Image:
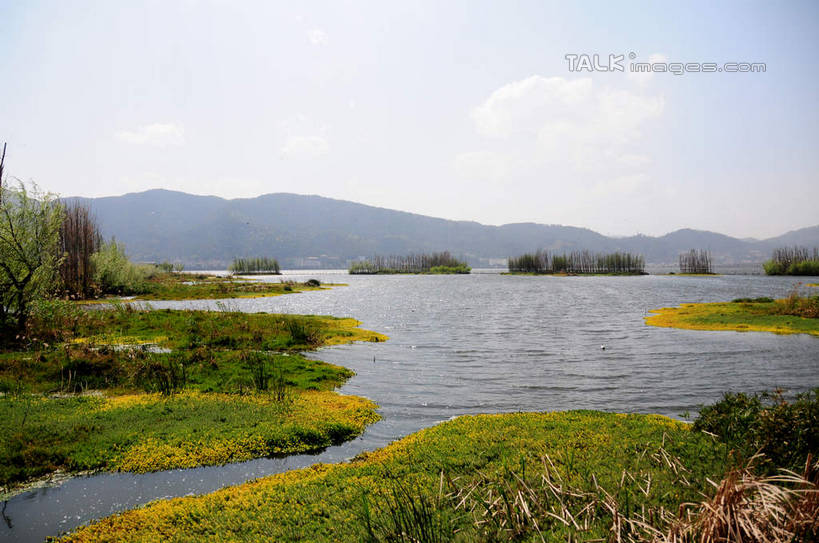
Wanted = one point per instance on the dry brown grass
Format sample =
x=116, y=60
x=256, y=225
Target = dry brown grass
x=748, y=508
x=744, y=508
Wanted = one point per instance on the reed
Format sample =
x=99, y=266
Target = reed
x=577, y=262
x=695, y=261
x=794, y=260
x=258, y=265
x=442, y=262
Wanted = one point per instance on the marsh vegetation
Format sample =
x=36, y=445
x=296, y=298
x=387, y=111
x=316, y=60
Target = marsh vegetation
x=696, y=262
x=435, y=263
x=578, y=263
x=255, y=266
x=143, y=390
x=570, y=476
x=796, y=314
x=793, y=261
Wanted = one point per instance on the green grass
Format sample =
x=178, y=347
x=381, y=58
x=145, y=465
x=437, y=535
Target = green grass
x=192, y=286
x=804, y=267
x=443, y=270
x=245, y=370
x=788, y=316
x=436, y=270
x=152, y=432
x=564, y=274
x=424, y=477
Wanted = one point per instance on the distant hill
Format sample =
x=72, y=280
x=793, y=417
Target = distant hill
x=206, y=232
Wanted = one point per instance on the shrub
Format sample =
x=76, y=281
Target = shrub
x=785, y=432
x=115, y=274
x=793, y=261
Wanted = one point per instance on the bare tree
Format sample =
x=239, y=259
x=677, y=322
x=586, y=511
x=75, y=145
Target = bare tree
x=80, y=238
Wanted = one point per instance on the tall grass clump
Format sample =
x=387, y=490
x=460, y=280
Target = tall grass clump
x=577, y=262
x=259, y=265
x=797, y=305
x=696, y=262
x=793, y=261
x=414, y=263
x=406, y=513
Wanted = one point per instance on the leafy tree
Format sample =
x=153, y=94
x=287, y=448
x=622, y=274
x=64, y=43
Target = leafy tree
x=114, y=273
x=29, y=234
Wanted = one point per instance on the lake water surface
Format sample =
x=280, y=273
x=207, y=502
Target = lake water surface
x=481, y=343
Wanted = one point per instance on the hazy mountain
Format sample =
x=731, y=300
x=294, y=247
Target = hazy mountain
x=312, y=231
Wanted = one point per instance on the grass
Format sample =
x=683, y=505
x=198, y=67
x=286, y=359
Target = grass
x=462, y=480
x=680, y=274
x=432, y=263
x=565, y=274
x=150, y=432
x=793, y=315
x=191, y=286
x=233, y=386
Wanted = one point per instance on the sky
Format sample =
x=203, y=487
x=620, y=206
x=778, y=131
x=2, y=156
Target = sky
x=461, y=110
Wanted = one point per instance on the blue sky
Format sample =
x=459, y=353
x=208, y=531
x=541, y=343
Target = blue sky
x=462, y=110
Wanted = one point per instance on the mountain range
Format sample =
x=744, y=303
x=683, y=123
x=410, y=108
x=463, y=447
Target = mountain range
x=207, y=232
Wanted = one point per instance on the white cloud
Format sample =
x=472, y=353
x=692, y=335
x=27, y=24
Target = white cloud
x=158, y=134
x=305, y=147
x=317, y=36
x=574, y=124
x=521, y=106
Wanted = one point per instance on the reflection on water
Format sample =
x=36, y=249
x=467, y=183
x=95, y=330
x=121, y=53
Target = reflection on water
x=482, y=343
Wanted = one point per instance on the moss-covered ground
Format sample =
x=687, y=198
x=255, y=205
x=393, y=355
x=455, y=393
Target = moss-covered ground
x=580, y=473
x=760, y=315
x=142, y=390
x=194, y=286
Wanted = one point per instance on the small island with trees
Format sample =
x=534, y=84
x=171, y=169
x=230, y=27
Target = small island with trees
x=433, y=263
x=255, y=266
x=577, y=263
x=696, y=262
x=793, y=261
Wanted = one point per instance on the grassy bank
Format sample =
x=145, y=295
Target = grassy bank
x=150, y=432
x=793, y=315
x=564, y=274
x=190, y=286
x=461, y=480
x=413, y=264
x=680, y=274
x=148, y=390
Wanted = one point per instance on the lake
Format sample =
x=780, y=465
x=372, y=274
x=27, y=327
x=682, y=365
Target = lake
x=481, y=343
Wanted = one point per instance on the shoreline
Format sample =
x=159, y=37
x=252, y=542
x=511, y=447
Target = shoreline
x=301, y=415
x=731, y=316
